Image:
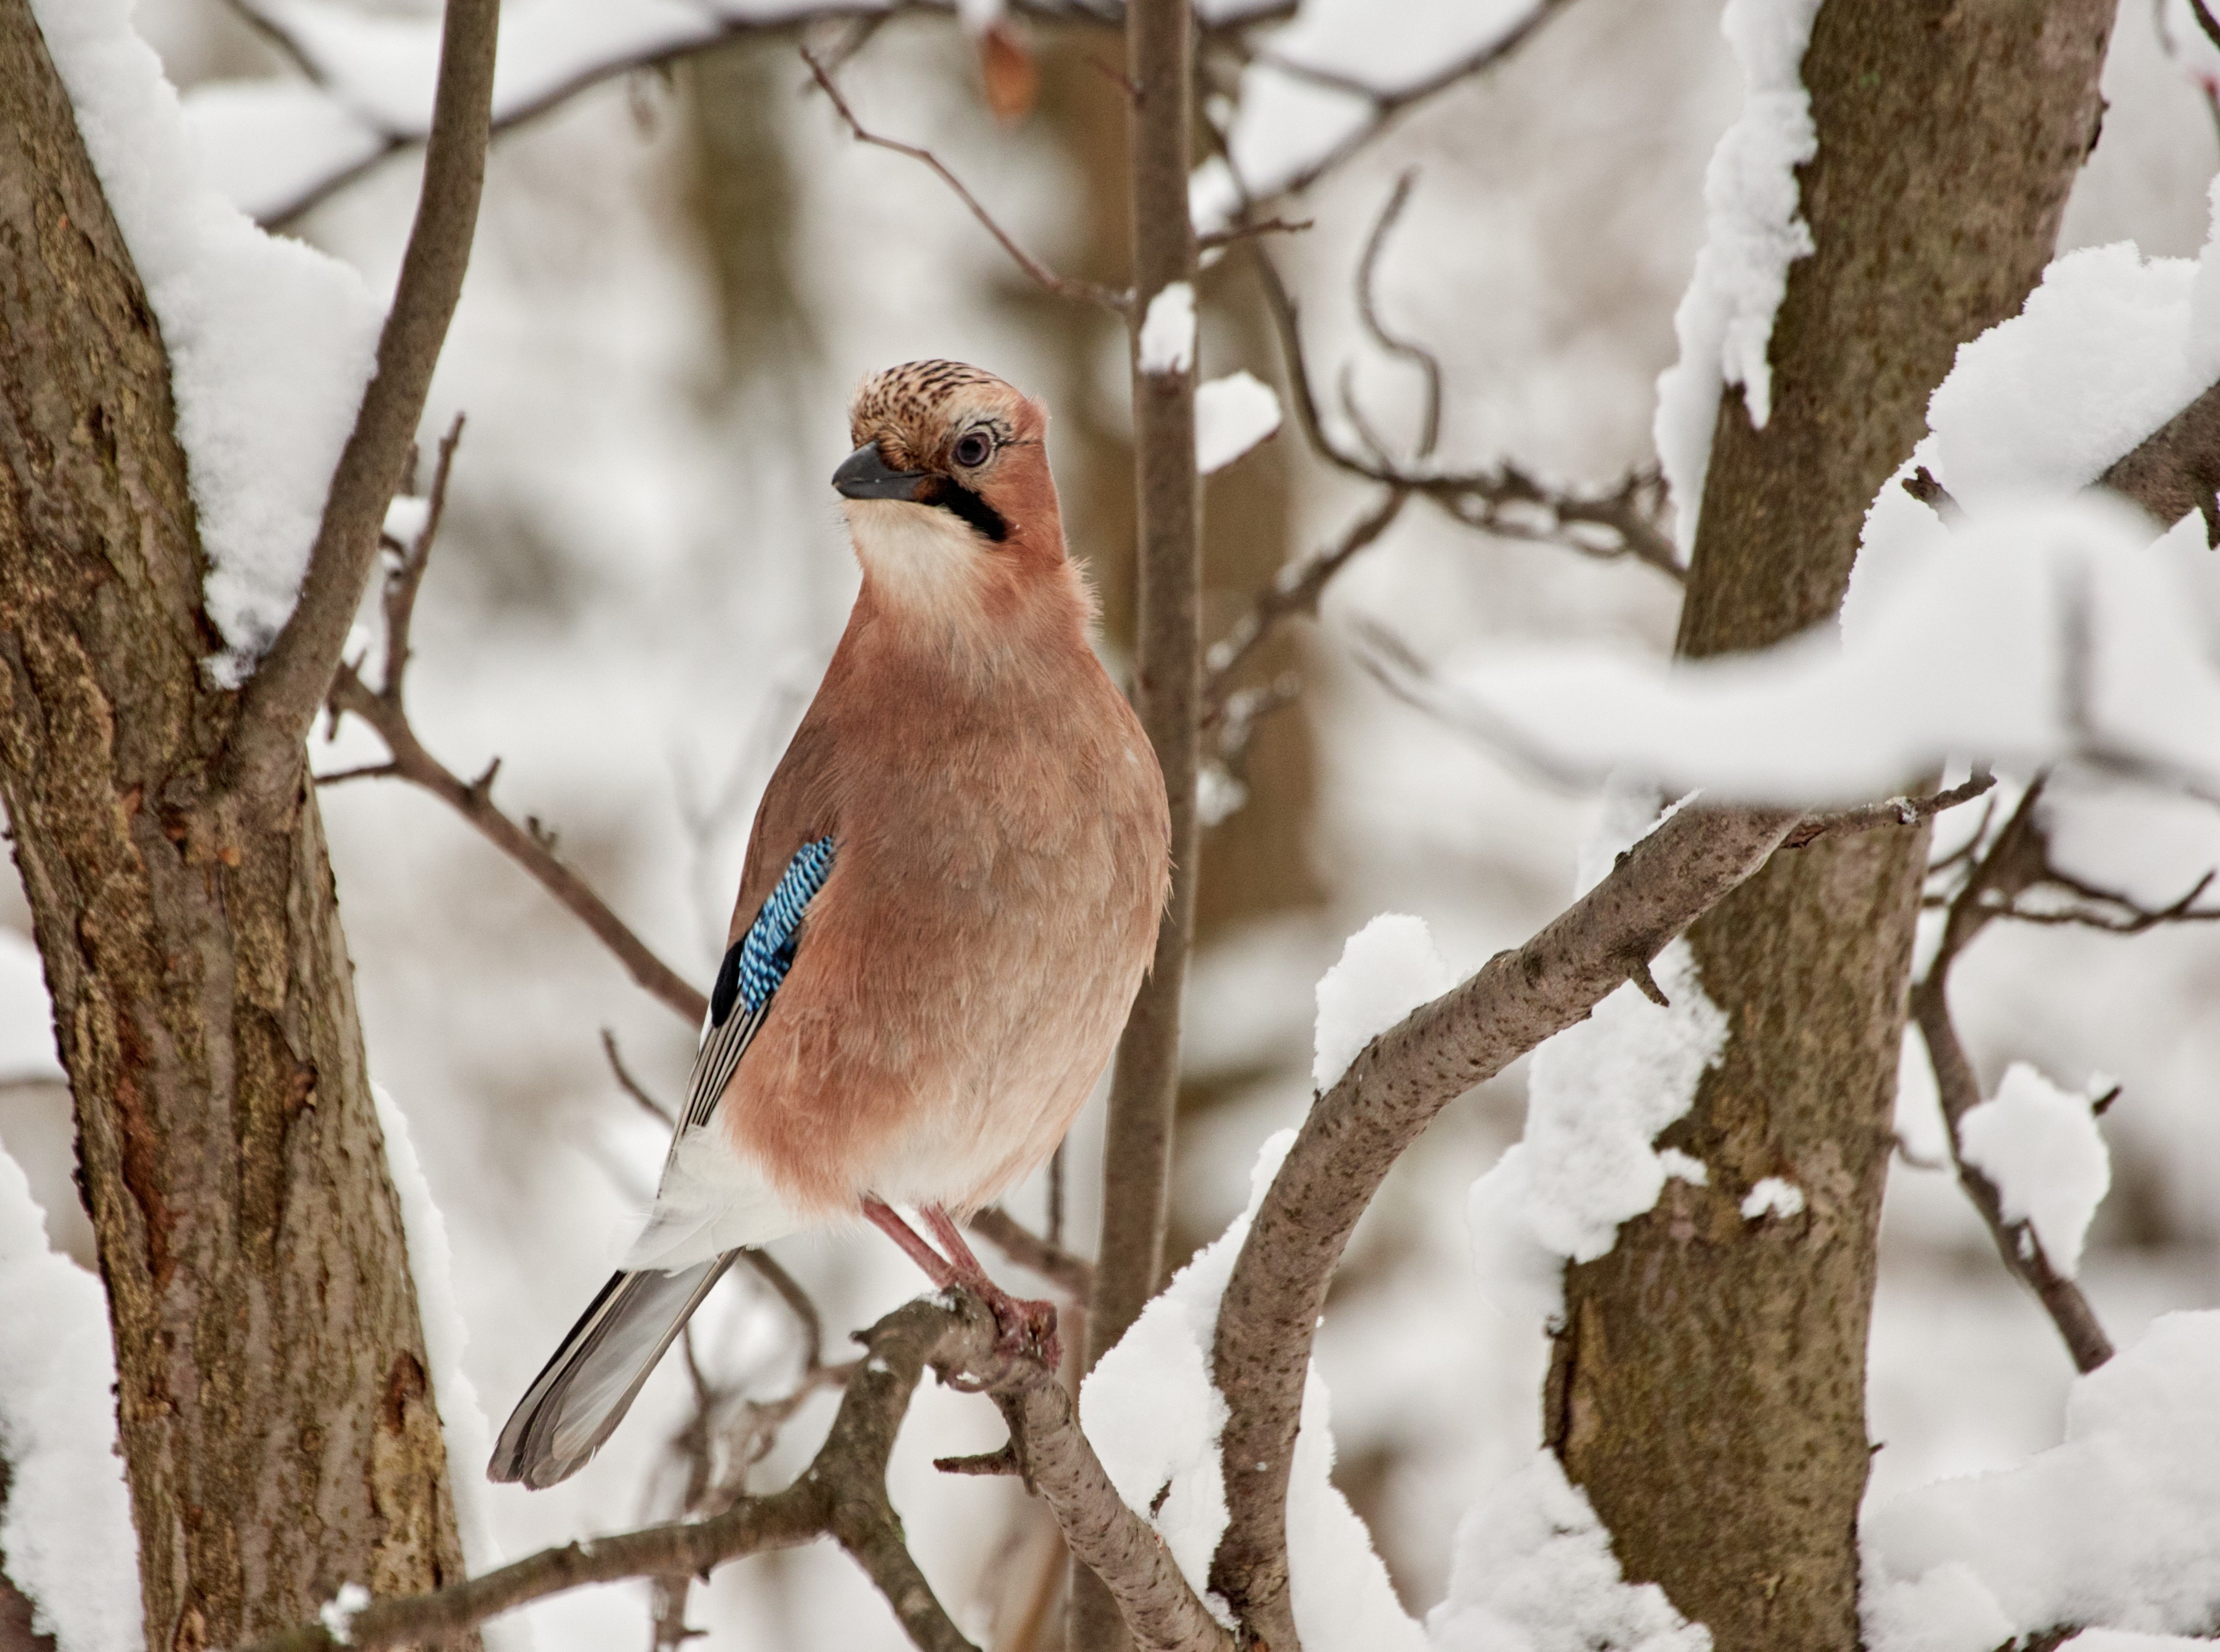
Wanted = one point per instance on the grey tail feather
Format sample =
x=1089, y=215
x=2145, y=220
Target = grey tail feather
x=575, y=1403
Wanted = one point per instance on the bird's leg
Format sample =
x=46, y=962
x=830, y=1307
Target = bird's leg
x=1025, y=1325
x=941, y=1271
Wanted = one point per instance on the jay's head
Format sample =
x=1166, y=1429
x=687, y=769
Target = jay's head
x=948, y=490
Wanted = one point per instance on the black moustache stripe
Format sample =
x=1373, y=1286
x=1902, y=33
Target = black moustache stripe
x=952, y=495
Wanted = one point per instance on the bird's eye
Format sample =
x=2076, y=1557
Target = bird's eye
x=973, y=447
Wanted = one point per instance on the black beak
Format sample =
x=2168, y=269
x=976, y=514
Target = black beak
x=863, y=475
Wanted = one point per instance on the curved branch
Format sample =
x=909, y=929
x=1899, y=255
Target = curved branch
x=1358, y=1129
x=843, y=1495
x=264, y=759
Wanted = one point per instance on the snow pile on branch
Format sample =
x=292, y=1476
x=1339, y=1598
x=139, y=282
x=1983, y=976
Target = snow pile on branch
x=1231, y=415
x=2029, y=634
x=270, y=341
x=2118, y=1526
x=1532, y=1571
x=462, y=1420
x=1311, y=93
x=1154, y=1418
x=1754, y=230
x=1388, y=969
x=2041, y=1147
x=66, y=1541
x=1598, y=1095
x=1167, y=341
x=2107, y=349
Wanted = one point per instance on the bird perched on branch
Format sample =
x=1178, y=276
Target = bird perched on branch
x=949, y=898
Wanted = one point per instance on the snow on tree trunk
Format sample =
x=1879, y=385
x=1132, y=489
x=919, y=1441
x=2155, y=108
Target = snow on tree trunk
x=1707, y=1385
x=280, y=1433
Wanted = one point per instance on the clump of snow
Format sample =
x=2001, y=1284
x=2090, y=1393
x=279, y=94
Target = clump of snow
x=1773, y=1196
x=1684, y=1167
x=2118, y=1526
x=1754, y=230
x=1388, y=969
x=26, y=1016
x=406, y=517
x=462, y=1420
x=338, y=1614
x=1154, y=1418
x=270, y=341
x=2107, y=348
x=2026, y=635
x=66, y=1539
x=1532, y=1571
x=1166, y=341
x=1598, y=1094
x=2041, y=1147
x=1231, y=415
x=1218, y=795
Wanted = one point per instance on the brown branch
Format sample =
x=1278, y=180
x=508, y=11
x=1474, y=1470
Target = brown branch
x=413, y=764
x=1296, y=591
x=1063, y=286
x=2176, y=469
x=1073, y=1275
x=1387, y=104
x=1357, y=1129
x=843, y=1495
x=631, y=1086
x=1504, y=501
x=1890, y=811
x=864, y=16
x=1368, y=310
x=263, y=757
x=2018, y=860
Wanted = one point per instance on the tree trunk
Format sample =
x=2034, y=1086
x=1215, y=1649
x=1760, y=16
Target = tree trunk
x=1708, y=1385
x=278, y=1427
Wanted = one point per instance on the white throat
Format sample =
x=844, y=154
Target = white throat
x=923, y=559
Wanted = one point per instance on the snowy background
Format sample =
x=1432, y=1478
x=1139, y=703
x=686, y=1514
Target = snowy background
x=677, y=281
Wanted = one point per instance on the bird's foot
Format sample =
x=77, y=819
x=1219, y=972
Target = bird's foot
x=1025, y=1334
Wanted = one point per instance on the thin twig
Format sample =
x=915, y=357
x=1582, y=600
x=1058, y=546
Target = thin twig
x=631, y=1086
x=1387, y=103
x=1073, y=1275
x=1062, y=285
x=863, y=16
x=1889, y=811
x=1504, y=500
x=2018, y=860
x=1368, y=310
x=264, y=756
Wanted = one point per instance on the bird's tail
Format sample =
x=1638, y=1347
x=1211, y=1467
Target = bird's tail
x=582, y=1394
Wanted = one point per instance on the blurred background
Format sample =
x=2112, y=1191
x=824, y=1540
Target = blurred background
x=679, y=277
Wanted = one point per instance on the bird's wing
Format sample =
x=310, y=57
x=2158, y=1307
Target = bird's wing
x=748, y=979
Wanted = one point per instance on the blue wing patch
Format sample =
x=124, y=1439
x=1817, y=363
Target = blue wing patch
x=759, y=961
x=752, y=972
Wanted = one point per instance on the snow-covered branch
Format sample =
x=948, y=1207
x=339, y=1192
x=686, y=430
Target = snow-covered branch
x=1357, y=1129
x=263, y=758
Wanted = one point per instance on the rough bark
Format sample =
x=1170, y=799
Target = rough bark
x=278, y=1427
x=1707, y=1385
x=1167, y=683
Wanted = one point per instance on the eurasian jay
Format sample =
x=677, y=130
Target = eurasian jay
x=950, y=898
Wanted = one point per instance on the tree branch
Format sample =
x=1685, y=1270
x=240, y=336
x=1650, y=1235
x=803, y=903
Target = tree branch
x=1063, y=286
x=1357, y=1129
x=1504, y=500
x=263, y=757
x=1889, y=811
x=2176, y=469
x=473, y=801
x=843, y=1495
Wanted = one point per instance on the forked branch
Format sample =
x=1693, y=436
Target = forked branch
x=843, y=1495
x=264, y=756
